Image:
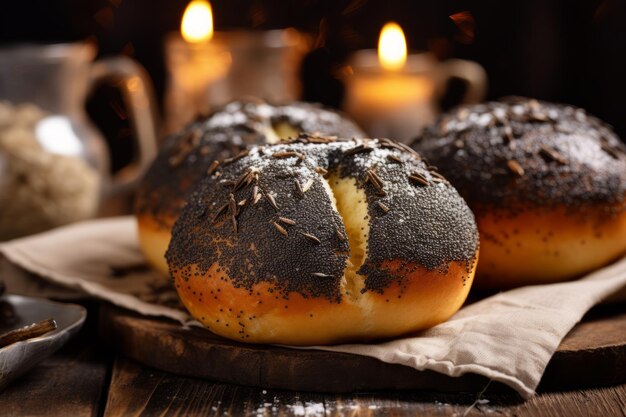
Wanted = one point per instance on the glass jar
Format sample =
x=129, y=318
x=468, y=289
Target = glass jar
x=54, y=165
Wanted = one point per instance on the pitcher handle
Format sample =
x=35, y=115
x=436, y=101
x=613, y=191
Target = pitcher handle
x=138, y=94
x=472, y=73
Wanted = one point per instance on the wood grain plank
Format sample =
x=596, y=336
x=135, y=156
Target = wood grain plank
x=607, y=401
x=140, y=391
x=403, y=404
x=137, y=390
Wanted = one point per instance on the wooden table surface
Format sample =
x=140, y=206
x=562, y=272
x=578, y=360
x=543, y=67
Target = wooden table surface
x=86, y=378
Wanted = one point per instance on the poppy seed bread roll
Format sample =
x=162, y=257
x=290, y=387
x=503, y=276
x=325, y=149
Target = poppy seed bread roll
x=187, y=156
x=546, y=182
x=320, y=241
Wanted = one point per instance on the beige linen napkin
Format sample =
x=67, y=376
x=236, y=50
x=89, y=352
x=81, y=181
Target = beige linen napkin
x=508, y=337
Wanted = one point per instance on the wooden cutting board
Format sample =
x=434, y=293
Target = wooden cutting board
x=592, y=354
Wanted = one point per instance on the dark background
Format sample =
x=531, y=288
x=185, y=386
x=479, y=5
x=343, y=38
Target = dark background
x=558, y=50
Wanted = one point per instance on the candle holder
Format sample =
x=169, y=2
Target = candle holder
x=398, y=104
x=196, y=78
x=232, y=65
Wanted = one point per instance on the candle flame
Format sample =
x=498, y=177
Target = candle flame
x=197, y=23
x=392, y=47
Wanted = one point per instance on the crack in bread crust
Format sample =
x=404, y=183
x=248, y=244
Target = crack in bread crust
x=423, y=226
x=351, y=205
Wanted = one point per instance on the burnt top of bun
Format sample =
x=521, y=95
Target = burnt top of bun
x=186, y=156
x=254, y=215
x=268, y=216
x=518, y=152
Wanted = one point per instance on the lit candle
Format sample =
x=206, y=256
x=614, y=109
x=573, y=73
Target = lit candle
x=208, y=69
x=198, y=65
x=390, y=93
x=197, y=24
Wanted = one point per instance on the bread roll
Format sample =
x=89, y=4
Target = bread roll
x=546, y=182
x=314, y=243
x=187, y=156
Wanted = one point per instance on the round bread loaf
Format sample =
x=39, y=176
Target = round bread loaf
x=319, y=241
x=186, y=157
x=545, y=181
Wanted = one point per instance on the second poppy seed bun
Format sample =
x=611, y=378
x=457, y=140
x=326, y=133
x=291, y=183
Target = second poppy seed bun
x=186, y=157
x=314, y=243
x=546, y=182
